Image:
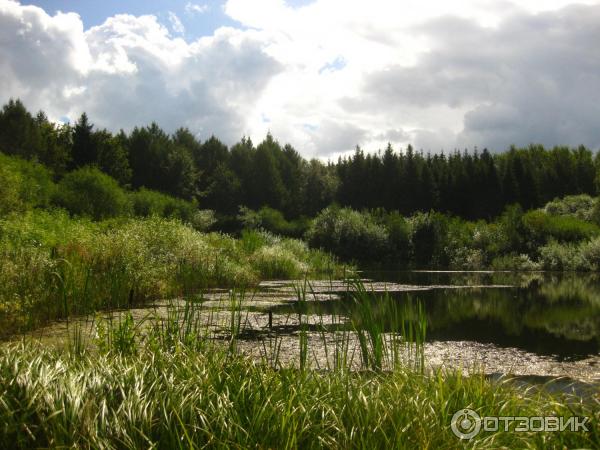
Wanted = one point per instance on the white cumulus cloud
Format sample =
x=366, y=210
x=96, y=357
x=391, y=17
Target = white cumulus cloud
x=325, y=76
x=129, y=71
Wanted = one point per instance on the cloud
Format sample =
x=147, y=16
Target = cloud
x=485, y=73
x=534, y=78
x=332, y=137
x=328, y=75
x=176, y=24
x=129, y=71
x=193, y=8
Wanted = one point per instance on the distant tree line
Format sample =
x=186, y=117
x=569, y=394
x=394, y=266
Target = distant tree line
x=471, y=185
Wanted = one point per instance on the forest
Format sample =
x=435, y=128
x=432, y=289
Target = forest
x=525, y=208
x=468, y=184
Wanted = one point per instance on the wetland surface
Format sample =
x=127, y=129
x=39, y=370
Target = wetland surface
x=525, y=324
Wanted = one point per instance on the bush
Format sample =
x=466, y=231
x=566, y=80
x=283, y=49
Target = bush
x=512, y=229
x=146, y=203
x=272, y=220
x=351, y=235
x=9, y=192
x=398, y=230
x=89, y=192
x=429, y=233
x=557, y=256
x=23, y=185
x=278, y=262
x=541, y=227
x=203, y=220
x=514, y=262
x=590, y=252
x=577, y=206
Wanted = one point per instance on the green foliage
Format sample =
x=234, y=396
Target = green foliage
x=511, y=224
x=398, y=230
x=112, y=156
x=120, y=338
x=9, y=192
x=540, y=227
x=199, y=399
x=203, y=220
x=148, y=203
x=521, y=262
x=273, y=221
x=349, y=234
x=157, y=162
x=428, y=236
x=19, y=133
x=53, y=266
x=579, y=206
x=251, y=240
x=85, y=147
x=279, y=191
x=23, y=185
x=89, y=192
x=471, y=185
x=557, y=256
x=278, y=262
x=590, y=252
x=584, y=256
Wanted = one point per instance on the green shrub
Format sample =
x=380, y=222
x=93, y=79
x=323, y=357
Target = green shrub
x=146, y=203
x=251, y=240
x=9, y=192
x=53, y=265
x=429, y=234
x=541, y=227
x=249, y=218
x=273, y=221
x=23, y=184
x=203, y=220
x=512, y=229
x=557, y=256
x=351, y=235
x=89, y=192
x=278, y=262
x=398, y=230
x=590, y=252
x=514, y=262
x=579, y=206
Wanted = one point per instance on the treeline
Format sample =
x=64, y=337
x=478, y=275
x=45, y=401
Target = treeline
x=471, y=185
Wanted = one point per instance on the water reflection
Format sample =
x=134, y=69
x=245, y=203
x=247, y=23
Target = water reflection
x=546, y=314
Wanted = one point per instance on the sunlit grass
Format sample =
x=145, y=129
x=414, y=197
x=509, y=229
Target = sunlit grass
x=176, y=382
x=52, y=266
x=191, y=399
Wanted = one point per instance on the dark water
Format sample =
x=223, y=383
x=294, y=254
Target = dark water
x=547, y=314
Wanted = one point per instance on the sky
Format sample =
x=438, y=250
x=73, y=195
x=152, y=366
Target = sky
x=322, y=75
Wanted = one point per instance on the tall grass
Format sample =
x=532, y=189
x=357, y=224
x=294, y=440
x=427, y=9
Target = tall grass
x=191, y=399
x=52, y=266
x=172, y=384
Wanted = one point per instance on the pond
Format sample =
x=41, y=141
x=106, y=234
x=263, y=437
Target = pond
x=526, y=324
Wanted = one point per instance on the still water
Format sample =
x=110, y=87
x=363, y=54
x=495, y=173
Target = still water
x=540, y=324
x=546, y=314
x=526, y=324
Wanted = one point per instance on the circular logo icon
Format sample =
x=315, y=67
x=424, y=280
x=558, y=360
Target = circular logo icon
x=466, y=423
